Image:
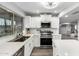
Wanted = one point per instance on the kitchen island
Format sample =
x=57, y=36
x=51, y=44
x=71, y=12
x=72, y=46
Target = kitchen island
x=66, y=48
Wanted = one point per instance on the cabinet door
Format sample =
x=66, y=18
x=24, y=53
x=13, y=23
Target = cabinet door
x=36, y=40
x=29, y=47
x=38, y=22
x=55, y=51
x=35, y=22
x=45, y=18
x=27, y=22
x=55, y=22
x=27, y=53
x=32, y=45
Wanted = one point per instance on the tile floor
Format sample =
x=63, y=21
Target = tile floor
x=42, y=52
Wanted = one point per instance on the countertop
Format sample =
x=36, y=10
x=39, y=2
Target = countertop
x=10, y=48
x=67, y=47
x=7, y=38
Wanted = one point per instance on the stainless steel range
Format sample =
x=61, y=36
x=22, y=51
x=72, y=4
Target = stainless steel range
x=45, y=35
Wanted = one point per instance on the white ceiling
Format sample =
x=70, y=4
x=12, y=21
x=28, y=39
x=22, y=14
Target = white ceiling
x=34, y=7
x=72, y=16
x=37, y=7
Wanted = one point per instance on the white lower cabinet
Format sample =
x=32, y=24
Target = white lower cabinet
x=55, y=51
x=28, y=47
x=32, y=42
x=31, y=47
x=36, y=40
x=26, y=50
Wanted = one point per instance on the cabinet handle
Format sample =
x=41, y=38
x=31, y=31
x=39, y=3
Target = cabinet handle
x=54, y=45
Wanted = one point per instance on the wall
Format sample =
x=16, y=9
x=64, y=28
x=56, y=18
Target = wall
x=36, y=31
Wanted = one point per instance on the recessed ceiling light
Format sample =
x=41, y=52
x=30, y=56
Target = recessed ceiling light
x=55, y=11
x=66, y=15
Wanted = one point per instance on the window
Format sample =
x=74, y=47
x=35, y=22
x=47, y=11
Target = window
x=5, y=22
x=10, y=23
x=5, y=26
x=18, y=23
x=2, y=26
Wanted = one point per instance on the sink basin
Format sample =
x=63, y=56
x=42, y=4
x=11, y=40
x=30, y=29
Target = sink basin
x=22, y=39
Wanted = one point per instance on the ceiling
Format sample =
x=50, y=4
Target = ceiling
x=72, y=16
x=33, y=8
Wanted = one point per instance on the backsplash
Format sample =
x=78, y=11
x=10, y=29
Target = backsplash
x=37, y=31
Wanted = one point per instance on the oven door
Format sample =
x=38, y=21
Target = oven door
x=46, y=41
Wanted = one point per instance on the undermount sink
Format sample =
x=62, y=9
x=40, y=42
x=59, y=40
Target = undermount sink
x=22, y=39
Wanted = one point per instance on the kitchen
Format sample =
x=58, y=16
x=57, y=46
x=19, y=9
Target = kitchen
x=30, y=31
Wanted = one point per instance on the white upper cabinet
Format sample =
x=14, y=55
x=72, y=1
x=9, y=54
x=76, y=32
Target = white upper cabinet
x=27, y=22
x=55, y=22
x=35, y=22
x=45, y=18
x=36, y=40
x=32, y=22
